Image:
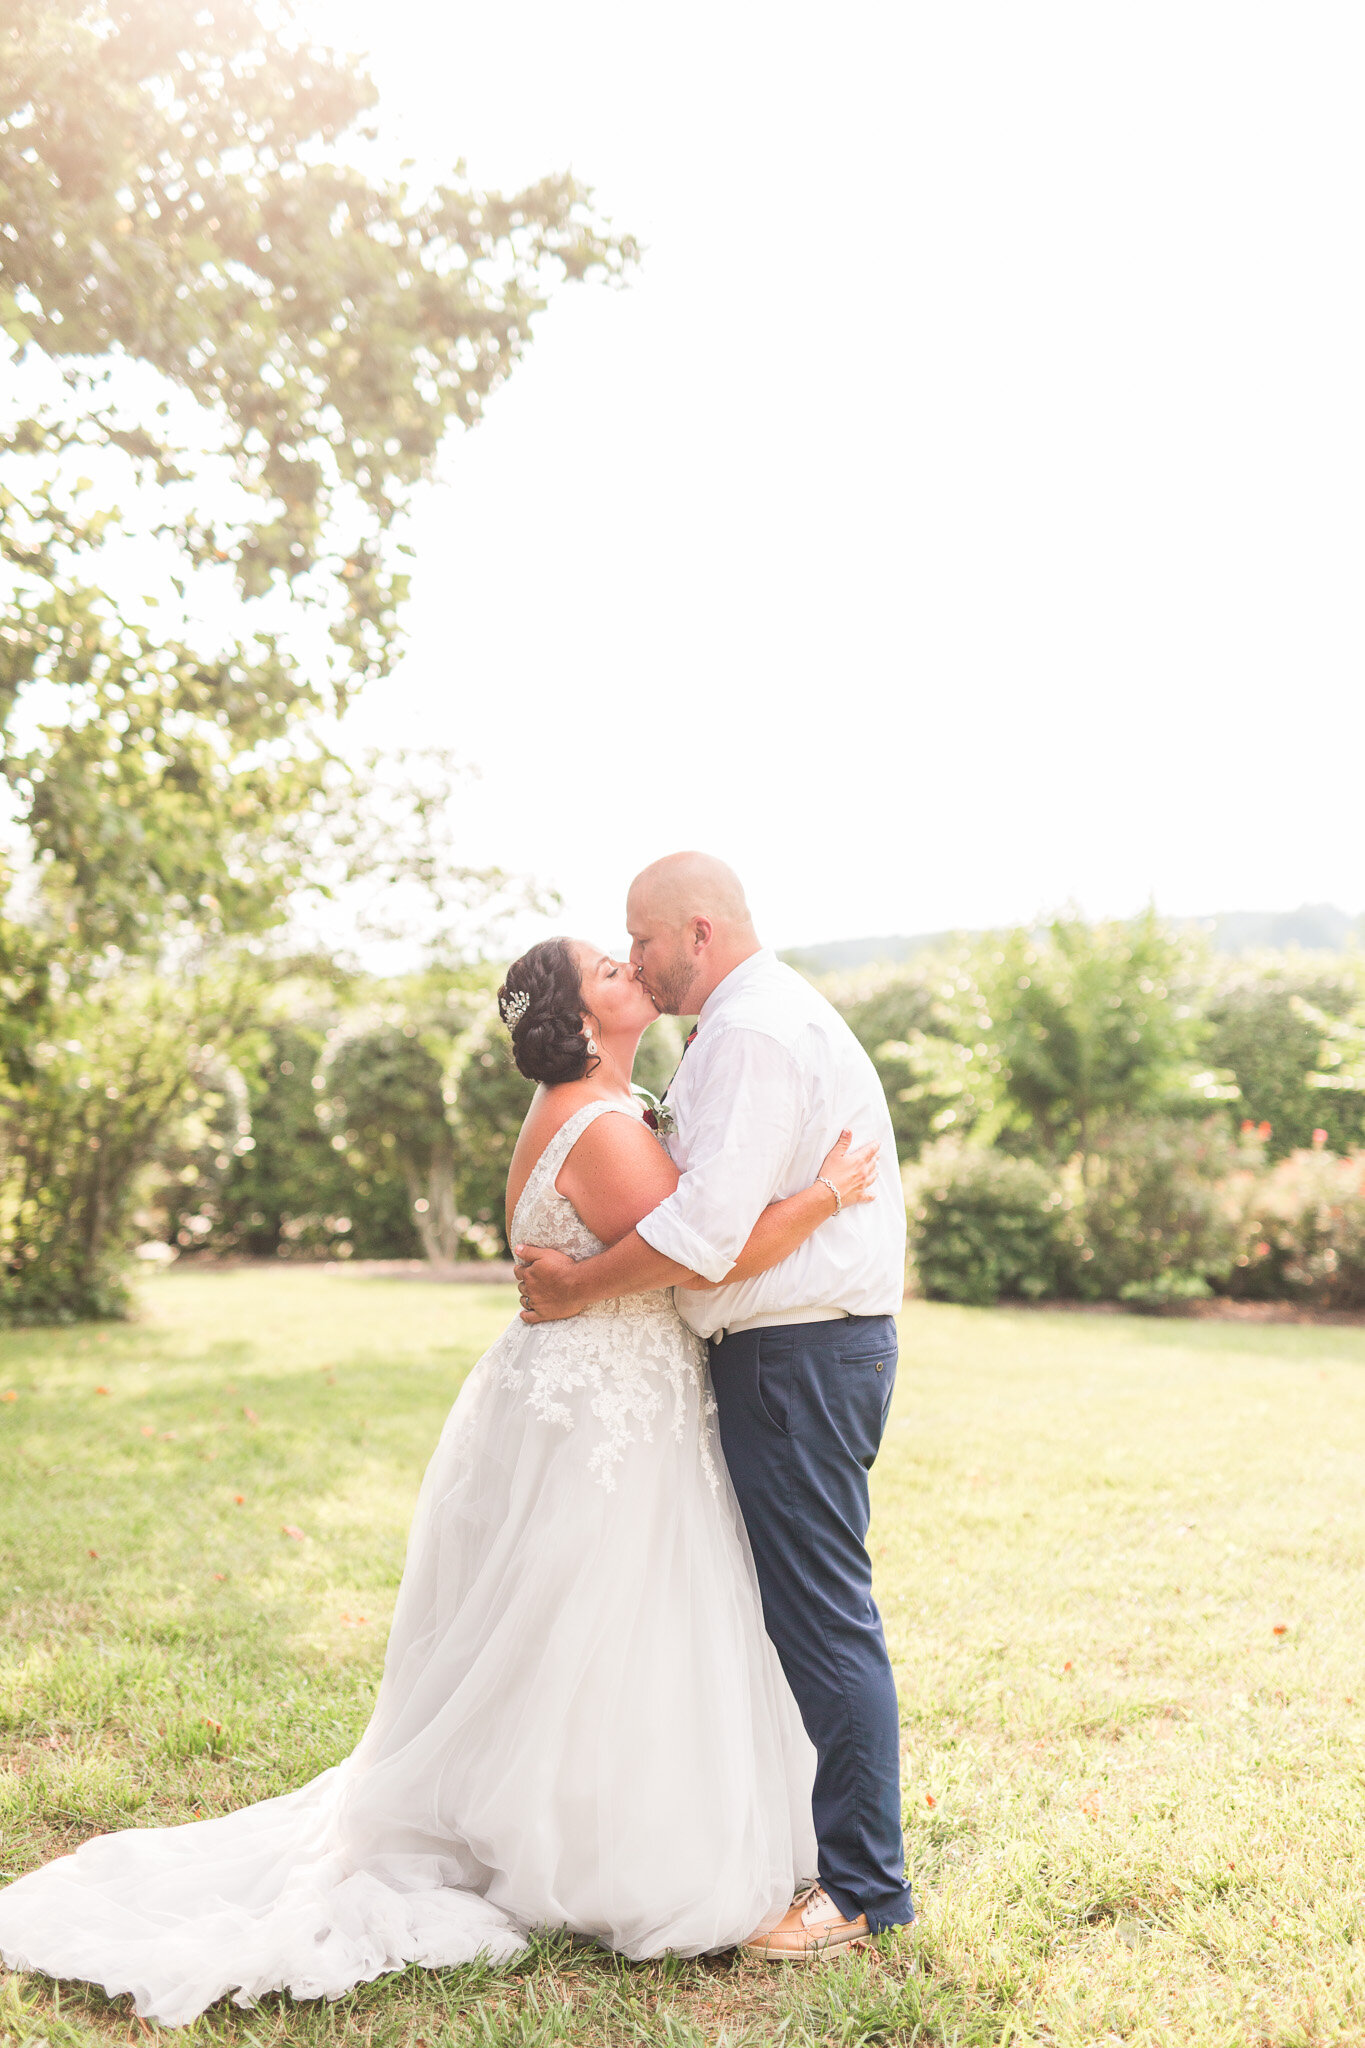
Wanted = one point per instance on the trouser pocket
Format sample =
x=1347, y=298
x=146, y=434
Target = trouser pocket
x=773, y=1376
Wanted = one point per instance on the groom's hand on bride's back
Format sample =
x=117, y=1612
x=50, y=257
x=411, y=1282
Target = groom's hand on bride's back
x=544, y=1282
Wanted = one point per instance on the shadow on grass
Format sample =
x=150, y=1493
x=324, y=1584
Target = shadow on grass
x=564, y=1991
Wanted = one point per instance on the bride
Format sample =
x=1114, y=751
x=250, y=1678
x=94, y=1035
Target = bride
x=581, y=1723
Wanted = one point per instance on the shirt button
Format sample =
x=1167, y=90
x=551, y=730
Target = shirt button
x=879, y=1364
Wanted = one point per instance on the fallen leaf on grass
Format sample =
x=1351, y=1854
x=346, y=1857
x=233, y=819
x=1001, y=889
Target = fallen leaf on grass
x=92, y=1553
x=1090, y=1806
x=169, y=1436
x=251, y=1415
x=220, y=1575
x=929, y=1799
x=354, y=1620
x=1281, y=1628
x=288, y=1529
x=1067, y=1665
x=240, y=1499
x=215, y=1727
x=147, y=1429
x=10, y=1396
x=101, y=1390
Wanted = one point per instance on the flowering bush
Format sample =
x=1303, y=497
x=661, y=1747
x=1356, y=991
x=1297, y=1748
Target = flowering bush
x=1154, y=1218
x=1304, y=1229
x=985, y=1225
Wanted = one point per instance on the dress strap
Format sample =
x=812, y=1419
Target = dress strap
x=569, y=1133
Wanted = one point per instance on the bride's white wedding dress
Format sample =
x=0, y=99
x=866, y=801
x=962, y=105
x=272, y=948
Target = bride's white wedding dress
x=581, y=1724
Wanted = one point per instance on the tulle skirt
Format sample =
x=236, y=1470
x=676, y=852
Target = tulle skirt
x=581, y=1724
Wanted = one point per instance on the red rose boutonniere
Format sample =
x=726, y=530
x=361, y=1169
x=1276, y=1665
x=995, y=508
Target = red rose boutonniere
x=655, y=1113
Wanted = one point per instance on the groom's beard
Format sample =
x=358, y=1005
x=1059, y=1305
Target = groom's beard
x=670, y=987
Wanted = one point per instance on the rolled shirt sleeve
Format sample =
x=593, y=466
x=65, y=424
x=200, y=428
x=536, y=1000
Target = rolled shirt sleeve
x=740, y=1134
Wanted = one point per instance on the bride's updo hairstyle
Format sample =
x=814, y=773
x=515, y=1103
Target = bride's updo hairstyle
x=541, y=1003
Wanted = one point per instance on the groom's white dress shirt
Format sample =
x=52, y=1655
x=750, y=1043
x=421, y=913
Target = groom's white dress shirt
x=772, y=1077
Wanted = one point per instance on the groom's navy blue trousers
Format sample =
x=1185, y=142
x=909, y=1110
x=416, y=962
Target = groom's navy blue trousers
x=802, y=1409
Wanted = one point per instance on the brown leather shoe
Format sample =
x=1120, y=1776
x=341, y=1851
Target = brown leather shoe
x=813, y=1927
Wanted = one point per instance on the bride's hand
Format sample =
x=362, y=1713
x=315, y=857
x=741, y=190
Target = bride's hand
x=545, y=1284
x=854, y=1173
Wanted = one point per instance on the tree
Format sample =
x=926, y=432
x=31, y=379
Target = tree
x=1091, y=1022
x=922, y=1027
x=217, y=306
x=235, y=345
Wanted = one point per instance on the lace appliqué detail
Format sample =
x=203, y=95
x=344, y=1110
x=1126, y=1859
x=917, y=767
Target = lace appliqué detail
x=634, y=1355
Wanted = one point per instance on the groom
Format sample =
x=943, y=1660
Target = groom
x=803, y=1357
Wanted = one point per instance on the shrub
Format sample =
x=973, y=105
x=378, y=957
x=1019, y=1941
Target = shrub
x=133, y=1065
x=385, y=1103
x=984, y=1225
x=1155, y=1221
x=290, y=1193
x=1305, y=1231
x=491, y=1099
x=1290, y=1038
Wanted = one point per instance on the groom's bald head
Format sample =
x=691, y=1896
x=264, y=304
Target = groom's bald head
x=689, y=926
x=686, y=885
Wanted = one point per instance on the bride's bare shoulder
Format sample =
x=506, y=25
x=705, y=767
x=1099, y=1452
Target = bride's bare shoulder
x=616, y=1173
x=550, y=1110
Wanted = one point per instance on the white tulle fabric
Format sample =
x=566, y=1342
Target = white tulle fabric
x=581, y=1724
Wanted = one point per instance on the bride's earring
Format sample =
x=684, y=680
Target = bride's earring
x=592, y=1046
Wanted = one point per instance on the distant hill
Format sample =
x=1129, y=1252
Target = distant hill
x=1314, y=927
x=837, y=954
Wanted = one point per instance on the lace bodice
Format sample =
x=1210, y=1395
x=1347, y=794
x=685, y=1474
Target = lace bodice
x=626, y=1357
x=543, y=1216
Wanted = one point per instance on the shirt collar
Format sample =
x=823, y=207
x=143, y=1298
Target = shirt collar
x=738, y=978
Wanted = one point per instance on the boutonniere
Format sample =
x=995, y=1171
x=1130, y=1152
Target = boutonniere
x=656, y=1114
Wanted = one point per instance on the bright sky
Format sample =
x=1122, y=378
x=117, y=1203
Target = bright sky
x=962, y=513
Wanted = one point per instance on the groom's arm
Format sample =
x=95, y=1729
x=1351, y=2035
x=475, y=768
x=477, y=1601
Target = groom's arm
x=741, y=1128
x=781, y=1230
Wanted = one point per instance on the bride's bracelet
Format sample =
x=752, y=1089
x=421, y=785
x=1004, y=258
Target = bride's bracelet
x=825, y=1181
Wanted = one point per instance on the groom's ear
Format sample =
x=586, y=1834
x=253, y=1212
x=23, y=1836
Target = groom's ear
x=702, y=932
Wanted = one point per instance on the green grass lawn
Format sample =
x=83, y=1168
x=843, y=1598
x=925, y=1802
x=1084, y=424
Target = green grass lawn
x=1120, y=1563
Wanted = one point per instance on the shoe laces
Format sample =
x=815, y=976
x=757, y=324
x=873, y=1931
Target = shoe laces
x=812, y=1903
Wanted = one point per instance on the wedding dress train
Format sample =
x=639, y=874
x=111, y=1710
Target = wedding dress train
x=581, y=1724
